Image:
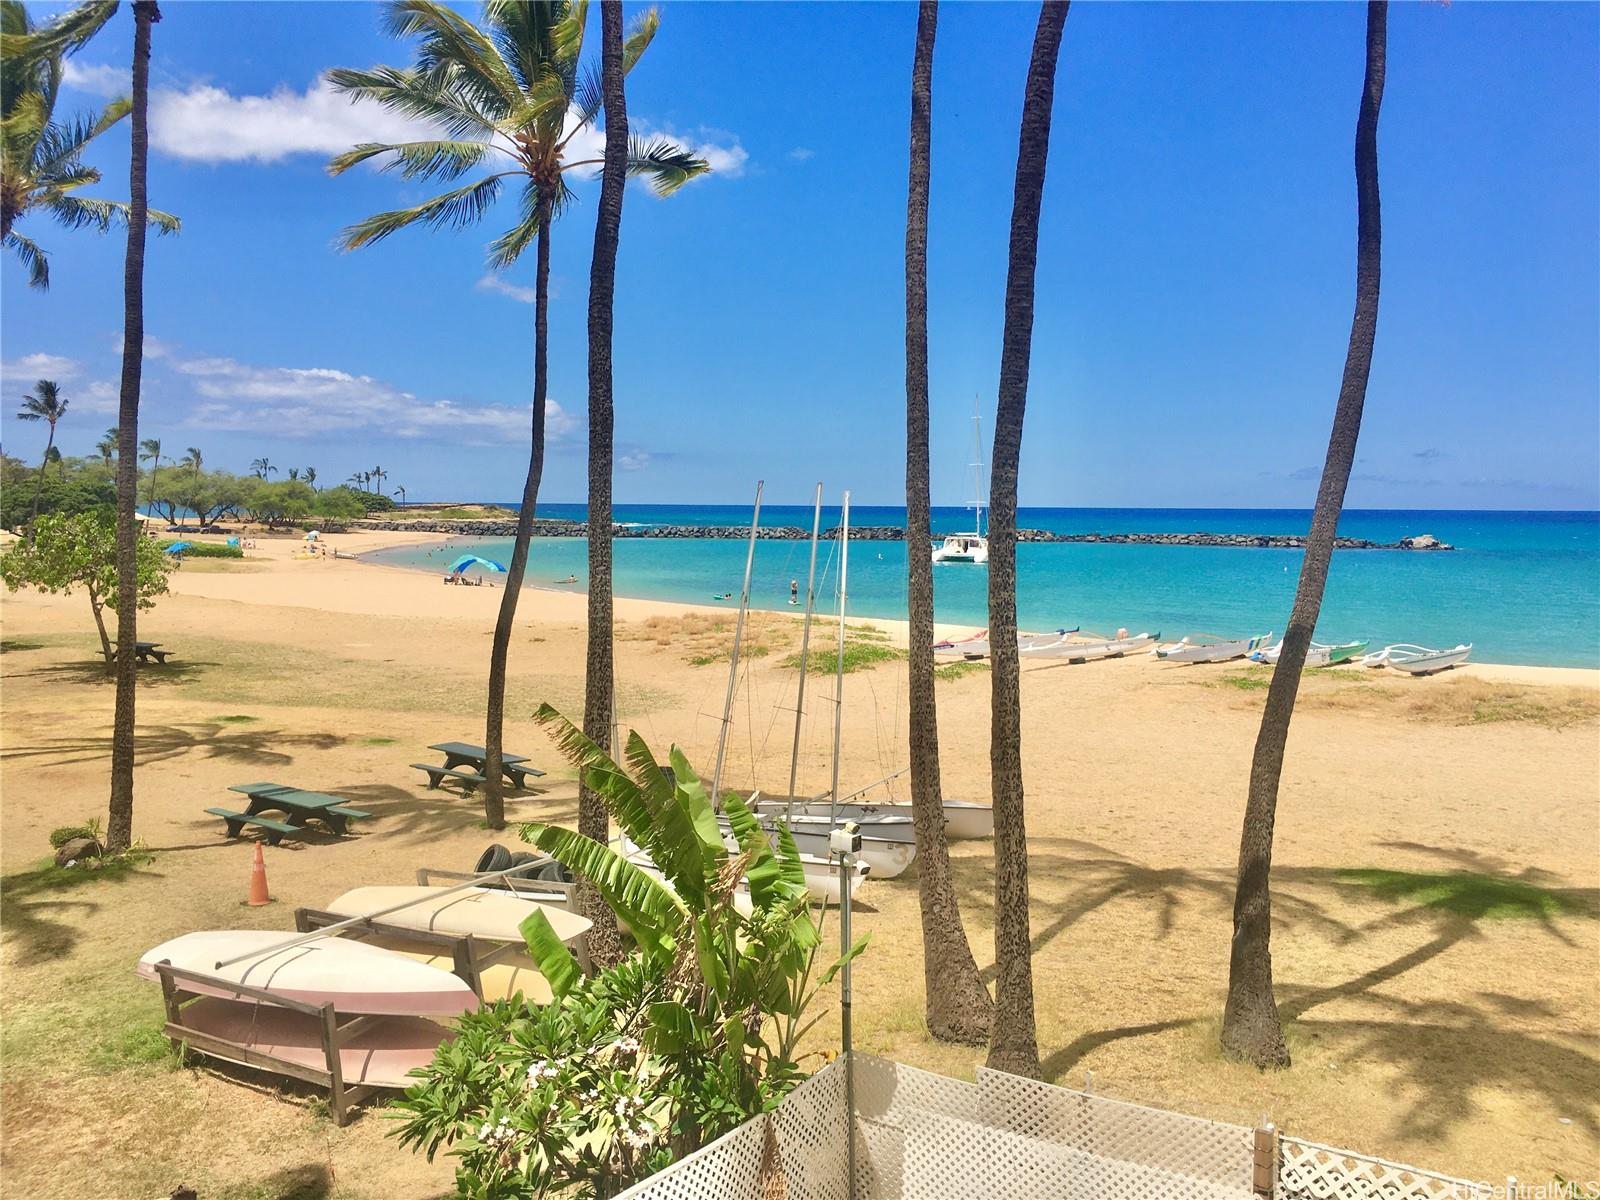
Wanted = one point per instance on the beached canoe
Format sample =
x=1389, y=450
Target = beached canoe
x=382, y=1055
x=353, y=977
x=490, y=914
x=1207, y=648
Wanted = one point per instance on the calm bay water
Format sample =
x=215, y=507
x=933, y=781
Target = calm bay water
x=1524, y=587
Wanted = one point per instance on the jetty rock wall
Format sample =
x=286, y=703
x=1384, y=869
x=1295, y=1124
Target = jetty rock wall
x=891, y=533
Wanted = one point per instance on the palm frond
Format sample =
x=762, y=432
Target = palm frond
x=22, y=48
x=26, y=122
x=413, y=94
x=667, y=165
x=455, y=209
x=450, y=40
x=31, y=257
x=416, y=160
x=522, y=32
x=508, y=247
x=60, y=145
x=77, y=212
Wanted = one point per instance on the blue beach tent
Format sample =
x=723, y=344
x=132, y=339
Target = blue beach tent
x=461, y=564
x=179, y=547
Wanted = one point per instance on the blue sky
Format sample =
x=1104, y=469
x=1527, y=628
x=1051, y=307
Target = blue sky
x=1195, y=276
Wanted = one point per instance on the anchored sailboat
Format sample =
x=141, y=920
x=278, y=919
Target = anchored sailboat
x=969, y=547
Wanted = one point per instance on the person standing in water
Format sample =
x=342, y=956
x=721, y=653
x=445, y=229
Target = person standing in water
x=794, y=591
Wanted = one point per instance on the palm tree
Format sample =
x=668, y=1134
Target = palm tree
x=44, y=403
x=359, y=479
x=1013, y=1046
x=262, y=467
x=378, y=475
x=508, y=92
x=119, y=826
x=150, y=452
x=41, y=167
x=193, y=460
x=53, y=455
x=399, y=491
x=107, y=446
x=956, y=1004
x=599, y=695
x=310, y=476
x=1251, y=1028
x=294, y=472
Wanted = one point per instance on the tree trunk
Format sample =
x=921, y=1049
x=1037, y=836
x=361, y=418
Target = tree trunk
x=1014, y=1044
x=38, y=488
x=98, y=608
x=1251, y=1029
x=599, y=697
x=119, y=826
x=494, y=805
x=957, y=1005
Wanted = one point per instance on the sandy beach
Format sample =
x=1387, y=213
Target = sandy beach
x=1436, y=885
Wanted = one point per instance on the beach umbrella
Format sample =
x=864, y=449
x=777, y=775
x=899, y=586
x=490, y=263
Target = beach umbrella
x=178, y=547
x=472, y=560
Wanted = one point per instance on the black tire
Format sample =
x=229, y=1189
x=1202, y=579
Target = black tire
x=495, y=858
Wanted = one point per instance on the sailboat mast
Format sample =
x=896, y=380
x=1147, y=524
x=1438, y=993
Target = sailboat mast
x=805, y=646
x=733, y=659
x=977, y=468
x=838, y=683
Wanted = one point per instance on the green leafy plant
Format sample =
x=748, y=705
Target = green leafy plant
x=79, y=553
x=89, y=829
x=690, y=1036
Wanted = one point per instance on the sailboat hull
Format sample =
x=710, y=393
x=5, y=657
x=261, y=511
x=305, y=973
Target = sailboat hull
x=963, y=819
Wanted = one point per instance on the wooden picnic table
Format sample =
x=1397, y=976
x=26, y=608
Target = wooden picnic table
x=147, y=652
x=459, y=754
x=298, y=805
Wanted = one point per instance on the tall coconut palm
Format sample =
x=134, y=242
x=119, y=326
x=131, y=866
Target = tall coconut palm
x=956, y=1004
x=310, y=476
x=599, y=696
x=262, y=467
x=119, y=826
x=106, y=447
x=44, y=403
x=192, y=460
x=1013, y=1046
x=378, y=475
x=150, y=452
x=41, y=160
x=507, y=93
x=1251, y=1028
x=398, y=490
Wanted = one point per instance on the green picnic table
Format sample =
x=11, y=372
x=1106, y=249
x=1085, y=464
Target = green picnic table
x=147, y=652
x=460, y=755
x=297, y=805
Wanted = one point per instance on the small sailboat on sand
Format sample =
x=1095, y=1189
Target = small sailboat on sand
x=1418, y=660
x=1208, y=648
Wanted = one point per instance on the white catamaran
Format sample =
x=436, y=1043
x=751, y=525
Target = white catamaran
x=969, y=547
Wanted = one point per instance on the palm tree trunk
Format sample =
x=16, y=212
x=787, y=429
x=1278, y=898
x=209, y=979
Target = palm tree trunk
x=119, y=826
x=38, y=488
x=494, y=805
x=1251, y=1029
x=956, y=1004
x=1014, y=1043
x=599, y=697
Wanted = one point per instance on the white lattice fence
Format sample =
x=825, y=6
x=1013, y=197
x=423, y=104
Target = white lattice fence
x=1309, y=1171
x=728, y=1169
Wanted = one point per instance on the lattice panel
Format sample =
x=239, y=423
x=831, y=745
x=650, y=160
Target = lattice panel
x=728, y=1169
x=886, y=1092
x=810, y=1127
x=1134, y=1147
x=1309, y=1171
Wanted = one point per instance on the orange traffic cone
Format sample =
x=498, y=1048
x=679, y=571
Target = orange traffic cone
x=258, y=881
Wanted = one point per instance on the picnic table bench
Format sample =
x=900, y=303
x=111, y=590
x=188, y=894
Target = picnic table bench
x=147, y=652
x=458, y=755
x=297, y=805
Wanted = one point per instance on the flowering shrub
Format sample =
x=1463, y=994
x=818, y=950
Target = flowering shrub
x=636, y=1066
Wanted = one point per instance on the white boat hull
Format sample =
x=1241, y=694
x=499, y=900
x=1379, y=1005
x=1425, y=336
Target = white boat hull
x=1080, y=651
x=1418, y=660
x=1187, y=651
x=963, y=819
x=353, y=977
x=969, y=548
x=490, y=914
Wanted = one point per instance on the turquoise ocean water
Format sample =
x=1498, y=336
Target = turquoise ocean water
x=1524, y=587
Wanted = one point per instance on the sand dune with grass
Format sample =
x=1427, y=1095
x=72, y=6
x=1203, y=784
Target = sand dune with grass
x=1437, y=898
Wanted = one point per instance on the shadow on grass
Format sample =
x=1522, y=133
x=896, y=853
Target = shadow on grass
x=309, y=1181
x=41, y=909
x=14, y=645
x=156, y=743
x=96, y=671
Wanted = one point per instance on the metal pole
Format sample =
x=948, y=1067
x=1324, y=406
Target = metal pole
x=805, y=648
x=291, y=943
x=733, y=661
x=838, y=685
x=846, y=866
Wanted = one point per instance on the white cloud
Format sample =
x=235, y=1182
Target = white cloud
x=31, y=367
x=800, y=154
x=496, y=283
x=635, y=460
x=96, y=79
x=153, y=347
x=306, y=402
x=101, y=396
x=211, y=124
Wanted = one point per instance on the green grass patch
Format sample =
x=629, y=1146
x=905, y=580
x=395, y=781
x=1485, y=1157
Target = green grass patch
x=1466, y=894
x=378, y=741
x=870, y=633
x=857, y=656
x=204, y=549
x=704, y=660
x=137, y=1045
x=13, y=645
x=1243, y=683
x=955, y=670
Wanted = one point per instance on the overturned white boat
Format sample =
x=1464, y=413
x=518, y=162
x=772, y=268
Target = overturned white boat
x=964, y=820
x=1418, y=660
x=977, y=645
x=1078, y=650
x=1208, y=648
